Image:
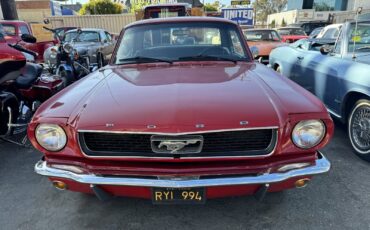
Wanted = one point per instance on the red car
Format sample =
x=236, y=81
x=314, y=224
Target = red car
x=291, y=34
x=181, y=114
x=13, y=31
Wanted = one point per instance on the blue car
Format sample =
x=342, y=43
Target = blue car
x=339, y=74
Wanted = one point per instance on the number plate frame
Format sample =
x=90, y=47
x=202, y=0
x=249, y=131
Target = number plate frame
x=177, y=197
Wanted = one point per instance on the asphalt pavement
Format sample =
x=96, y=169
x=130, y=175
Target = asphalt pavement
x=337, y=200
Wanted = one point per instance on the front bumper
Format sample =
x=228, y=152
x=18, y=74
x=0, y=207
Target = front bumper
x=322, y=165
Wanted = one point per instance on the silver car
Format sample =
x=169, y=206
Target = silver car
x=98, y=44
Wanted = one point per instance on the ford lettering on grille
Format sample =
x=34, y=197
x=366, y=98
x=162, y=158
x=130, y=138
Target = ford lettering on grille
x=176, y=144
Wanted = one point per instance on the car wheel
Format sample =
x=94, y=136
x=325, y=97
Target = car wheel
x=100, y=60
x=359, y=128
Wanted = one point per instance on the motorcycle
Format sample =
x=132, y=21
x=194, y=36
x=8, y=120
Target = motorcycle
x=23, y=87
x=67, y=61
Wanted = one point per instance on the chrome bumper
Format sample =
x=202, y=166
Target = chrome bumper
x=322, y=165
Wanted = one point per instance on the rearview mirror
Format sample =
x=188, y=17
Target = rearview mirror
x=325, y=49
x=28, y=38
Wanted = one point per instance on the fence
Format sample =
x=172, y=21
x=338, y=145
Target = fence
x=112, y=22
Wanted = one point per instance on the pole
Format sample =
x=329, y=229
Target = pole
x=255, y=14
x=9, y=9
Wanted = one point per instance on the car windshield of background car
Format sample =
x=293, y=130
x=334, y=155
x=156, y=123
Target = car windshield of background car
x=182, y=41
x=262, y=35
x=85, y=36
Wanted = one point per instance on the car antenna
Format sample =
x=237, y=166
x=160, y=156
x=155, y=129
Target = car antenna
x=359, y=10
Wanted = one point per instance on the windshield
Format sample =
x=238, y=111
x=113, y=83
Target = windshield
x=181, y=42
x=359, y=40
x=262, y=35
x=291, y=31
x=85, y=36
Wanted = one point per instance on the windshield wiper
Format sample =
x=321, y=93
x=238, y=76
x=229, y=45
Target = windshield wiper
x=209, y=57
x=140, y=59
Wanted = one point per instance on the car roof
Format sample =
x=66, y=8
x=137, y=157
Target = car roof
x=259, y=29
x=86, y=29
x=180, y=19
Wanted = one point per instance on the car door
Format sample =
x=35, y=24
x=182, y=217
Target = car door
x=319, y=74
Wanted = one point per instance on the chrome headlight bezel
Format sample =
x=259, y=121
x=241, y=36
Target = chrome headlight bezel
x=307, y=134
x=51, y=137
x=68, y=48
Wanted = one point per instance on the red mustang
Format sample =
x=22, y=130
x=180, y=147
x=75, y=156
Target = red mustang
x=181, y=114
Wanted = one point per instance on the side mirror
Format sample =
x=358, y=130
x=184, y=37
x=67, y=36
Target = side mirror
x=254, y=51
x=46, y=21
x=79, y=31
x=105, y=41
x=325, y=49
x=28, y=38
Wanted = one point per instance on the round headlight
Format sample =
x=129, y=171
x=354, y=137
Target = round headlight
x=51, y=137
x=309, y=133
x=68, y=48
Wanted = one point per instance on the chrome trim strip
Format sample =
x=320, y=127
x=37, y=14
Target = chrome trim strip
x=333, y=113
x=176, y=134
x=322, y=165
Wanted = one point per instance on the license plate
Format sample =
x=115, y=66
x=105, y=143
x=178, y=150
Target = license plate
x=178, y=196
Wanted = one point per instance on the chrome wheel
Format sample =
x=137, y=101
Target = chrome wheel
x=359, y=128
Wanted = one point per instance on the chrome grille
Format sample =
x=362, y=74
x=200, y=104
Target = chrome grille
x=216, y=144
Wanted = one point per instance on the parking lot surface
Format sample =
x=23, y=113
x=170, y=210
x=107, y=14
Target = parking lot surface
x=337, y=200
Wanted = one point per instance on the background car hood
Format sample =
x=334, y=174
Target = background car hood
x=178, y=97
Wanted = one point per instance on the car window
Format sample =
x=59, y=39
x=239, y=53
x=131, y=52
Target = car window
x=182, y=41
x=331, y=33
x=261, y=35
x=359, y=38
x=24, y=30
x=85, y=36
x=9, y=29
x=109, y=36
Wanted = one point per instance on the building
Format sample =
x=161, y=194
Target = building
x=318, y=5
x=318, y=10
x=33, y=10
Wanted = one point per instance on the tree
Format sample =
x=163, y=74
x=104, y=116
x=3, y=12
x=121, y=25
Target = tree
x=283, y=23
x=273, y=24
x=101, y=7
x=266, y=7
x=210, y=7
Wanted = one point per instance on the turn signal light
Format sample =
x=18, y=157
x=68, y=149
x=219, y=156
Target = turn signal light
x=59, y=185
x=301, y=183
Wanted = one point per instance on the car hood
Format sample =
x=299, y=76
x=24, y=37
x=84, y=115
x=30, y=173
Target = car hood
x=179, y=98
x=265, y=47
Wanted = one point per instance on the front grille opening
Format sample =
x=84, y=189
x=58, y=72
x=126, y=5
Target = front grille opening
x=228, y=143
